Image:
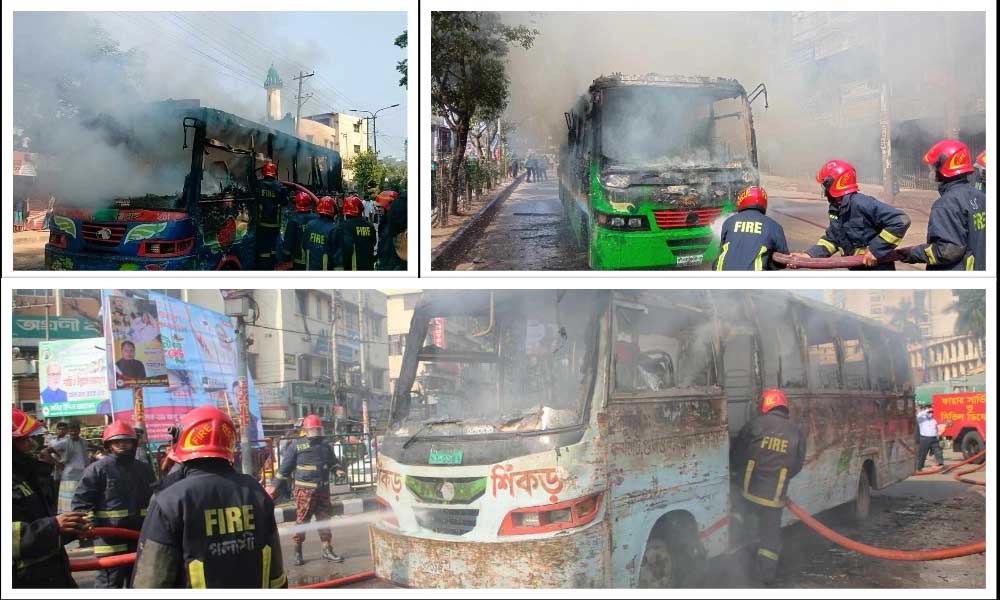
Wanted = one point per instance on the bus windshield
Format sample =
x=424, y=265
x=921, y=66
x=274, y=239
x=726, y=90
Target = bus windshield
x=495, y=362
x=659, y=127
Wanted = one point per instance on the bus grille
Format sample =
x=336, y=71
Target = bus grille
x=103, y=234
x=449, y=521
x=673, y=219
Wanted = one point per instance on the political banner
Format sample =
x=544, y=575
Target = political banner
x=73, y=378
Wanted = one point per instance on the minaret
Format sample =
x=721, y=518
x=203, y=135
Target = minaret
x=273, y=85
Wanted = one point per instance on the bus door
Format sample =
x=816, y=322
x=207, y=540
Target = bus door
x=741, y=376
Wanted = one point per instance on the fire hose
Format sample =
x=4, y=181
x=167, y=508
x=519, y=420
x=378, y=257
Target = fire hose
x=960, y=475
x=125, y=560
x=950, y=468
x=836, y=262
x=301, y=188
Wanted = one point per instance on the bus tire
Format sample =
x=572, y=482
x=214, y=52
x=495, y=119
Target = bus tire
x=972, y=444
x=862, y=505
x=673, y=555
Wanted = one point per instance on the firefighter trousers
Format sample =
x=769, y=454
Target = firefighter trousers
x=117, y=578
x=312, y=503
x=767, y=547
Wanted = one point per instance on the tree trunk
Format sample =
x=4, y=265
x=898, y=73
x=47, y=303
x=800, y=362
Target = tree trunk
x=458, y=163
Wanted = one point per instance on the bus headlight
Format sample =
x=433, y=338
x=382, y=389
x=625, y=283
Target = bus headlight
x=552, y=517
x=622, y=222
x=616, y=180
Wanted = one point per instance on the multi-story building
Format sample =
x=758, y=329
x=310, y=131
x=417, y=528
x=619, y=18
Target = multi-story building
x=400, y=305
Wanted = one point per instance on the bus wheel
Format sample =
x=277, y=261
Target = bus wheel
x=672, y=555
x=972, y=444
x=863, y=500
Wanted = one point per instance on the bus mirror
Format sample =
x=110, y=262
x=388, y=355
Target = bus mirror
x=489, y=327
x=757, y=91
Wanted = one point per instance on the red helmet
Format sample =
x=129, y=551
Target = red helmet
x=772, y=399
x=325, y=206
x=205, y=432
x=311, y=424
x=838, y=178
x=119, y=430
x=752, y=197
x=23, y=425
x=303, y=202
x=981, y=160
x=950, y=158
x=353, y=206
x=385, y=198
x=270, y=169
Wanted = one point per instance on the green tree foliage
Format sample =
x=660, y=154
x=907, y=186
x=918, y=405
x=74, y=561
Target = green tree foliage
x=971, y=308
x=371, y=175
x=401, y=65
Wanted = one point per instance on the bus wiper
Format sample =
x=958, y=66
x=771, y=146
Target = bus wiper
x=413, y=437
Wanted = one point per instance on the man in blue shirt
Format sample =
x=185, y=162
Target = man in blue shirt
x=53, y=392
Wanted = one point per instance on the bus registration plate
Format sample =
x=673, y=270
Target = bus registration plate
x=445, y=457
x=690, y=260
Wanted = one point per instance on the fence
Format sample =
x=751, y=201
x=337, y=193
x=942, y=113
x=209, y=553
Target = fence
x=476, y=178
x=357, y=454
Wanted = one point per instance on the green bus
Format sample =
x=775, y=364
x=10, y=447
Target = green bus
x=652, y=165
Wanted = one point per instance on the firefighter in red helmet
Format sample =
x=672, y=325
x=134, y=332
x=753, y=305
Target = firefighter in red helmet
x=767, y=453
x=39, y=533
x=750, y=237
x=292, y=247
x=858, y=224
x=212, y=527
x=312, y=463
x=357, y=238
x=981, y=172
x=956, y=230
x=321, y=238
x=266, y=217
x=115, y=491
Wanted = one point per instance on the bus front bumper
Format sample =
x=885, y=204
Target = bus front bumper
x=568, y=560
x=654, y=249
x=57, y=259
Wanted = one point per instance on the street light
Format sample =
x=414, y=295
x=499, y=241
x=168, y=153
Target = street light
x=373, y=114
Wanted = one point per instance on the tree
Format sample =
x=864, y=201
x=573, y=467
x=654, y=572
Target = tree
x=368, y=172
x=906, y=317
x=971, y=308
x=468, y=75
x=401, y=65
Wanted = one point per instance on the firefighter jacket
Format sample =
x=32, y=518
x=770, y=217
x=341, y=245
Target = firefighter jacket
x=767, y=453
x=39, y=557
x=357, y=244
x=310, y=462
x=214, y=528
x=321, y=244
x=292, y=246
x=115, y=491
x=749, y=238
x=858, y=223
x=956, y=231
x=271, y=197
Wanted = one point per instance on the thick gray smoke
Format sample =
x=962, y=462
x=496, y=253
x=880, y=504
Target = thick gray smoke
x=934, y=63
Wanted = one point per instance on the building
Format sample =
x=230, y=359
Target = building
x=945, y=354
x=399, y=312
x=292, y=357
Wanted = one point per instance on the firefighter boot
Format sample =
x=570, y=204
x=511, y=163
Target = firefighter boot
x=329, y=554
x=299, y=561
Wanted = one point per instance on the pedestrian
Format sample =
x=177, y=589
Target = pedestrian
x=320, y=238
x=956, y=230
x=356, y=236
x=860, y=225
x=39, y=533
x=292, y=248
x=271, y=197
x=311, y=462
x=212, y=527
x=72, y=454
x=750, y=237
x=981, y=172
x=115, y=492
x=768, y=452
x=62, y=430
x=927, y=428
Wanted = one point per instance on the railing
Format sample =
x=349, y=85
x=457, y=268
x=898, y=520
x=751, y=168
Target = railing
x=357, y=454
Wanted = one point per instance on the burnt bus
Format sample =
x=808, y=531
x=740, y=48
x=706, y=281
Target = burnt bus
x=651, y=163
x=177, y=190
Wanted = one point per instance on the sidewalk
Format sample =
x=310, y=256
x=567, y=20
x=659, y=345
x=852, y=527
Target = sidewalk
x=440, y=235
x=803, y=189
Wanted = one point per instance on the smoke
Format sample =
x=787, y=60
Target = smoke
x=822, y=72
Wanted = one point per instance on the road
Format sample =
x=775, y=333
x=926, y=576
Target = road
x=526, y=234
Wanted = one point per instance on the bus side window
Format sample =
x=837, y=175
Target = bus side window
x=824, y=363
x=880, y=368
x=781, y=348
x=854, y=366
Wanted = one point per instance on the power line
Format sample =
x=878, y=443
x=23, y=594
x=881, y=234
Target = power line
x=338, y=336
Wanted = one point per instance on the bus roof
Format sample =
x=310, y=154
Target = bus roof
x=723, y=84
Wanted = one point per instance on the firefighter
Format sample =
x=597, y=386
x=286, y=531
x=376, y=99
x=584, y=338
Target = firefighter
x=392, y=241
x=212, y=527
x=981, y=172
x=320, y=238
x=295, y=225
x=767, y=453
x=956, y=230
x=310, y=462
x=356, y=237
x=750, y=237
x=114, y=492
x=271, y=197
x=859, y=224
x=39, y=533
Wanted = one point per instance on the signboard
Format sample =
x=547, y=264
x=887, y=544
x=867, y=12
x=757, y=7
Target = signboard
x=137, y=349
x=59, y=328
x=309, y=392
x=964, y=407
x=73, y=377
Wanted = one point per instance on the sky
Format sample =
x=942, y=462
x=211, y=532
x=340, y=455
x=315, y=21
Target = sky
x=222, y=58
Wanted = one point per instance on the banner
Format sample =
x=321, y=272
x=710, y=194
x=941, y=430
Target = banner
x=73, y=377
x=137, y=348
x=58, y=328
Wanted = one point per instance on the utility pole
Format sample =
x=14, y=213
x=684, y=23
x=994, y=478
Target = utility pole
x=363, y=313
x=238, y=305
x=335, y=380
x=885, y=114
x=300, y=100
